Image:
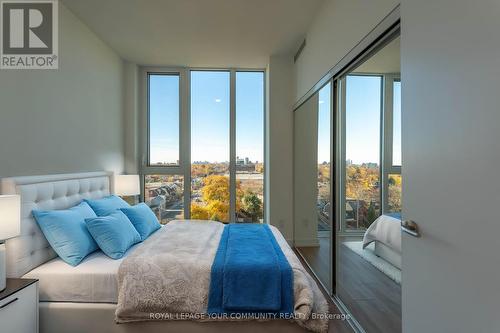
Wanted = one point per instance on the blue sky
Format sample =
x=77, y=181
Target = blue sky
x=210, y=103
x=210, y=118
x=324, y=124
x=250, y=115
x=363, y=120
x=164, y=118
x=210, y=98
x=363, y=116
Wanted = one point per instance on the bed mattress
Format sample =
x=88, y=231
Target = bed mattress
x=386, y=230
x=94, y=280
x=388, y=254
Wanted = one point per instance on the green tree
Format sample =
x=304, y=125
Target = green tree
x=252, y=206
x=371, y=215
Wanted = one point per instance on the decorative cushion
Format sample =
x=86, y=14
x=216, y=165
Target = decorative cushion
x=66, y=232
x=107, y=205
x=143, y=219
x=114, y=233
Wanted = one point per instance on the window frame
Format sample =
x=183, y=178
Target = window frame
x=144, y=129
x=145, y=168
x=148, y=120
x=232, y=121
x=341, y=146
x=184, y=166
x=387, y=166
x=233, y=143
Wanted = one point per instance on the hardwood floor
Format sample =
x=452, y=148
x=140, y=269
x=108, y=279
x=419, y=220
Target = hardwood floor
x=372, y=297
x=335, y=326
x=318, y=258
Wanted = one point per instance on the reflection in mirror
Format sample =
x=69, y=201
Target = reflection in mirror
x=312, y=196
x=396, y=123
x=368, y=244
x=362, y=138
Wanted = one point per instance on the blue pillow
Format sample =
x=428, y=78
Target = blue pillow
x=114, y=233
x=107, y=205
x=143, y=219
x=66, y=232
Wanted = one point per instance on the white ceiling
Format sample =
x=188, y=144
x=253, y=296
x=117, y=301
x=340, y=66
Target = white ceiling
x=387, y=60
x=198, y=33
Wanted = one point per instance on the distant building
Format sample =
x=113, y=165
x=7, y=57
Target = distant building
x=244, y=164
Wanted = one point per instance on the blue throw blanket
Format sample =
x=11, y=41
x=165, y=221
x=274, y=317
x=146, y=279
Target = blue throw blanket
x=250, y=273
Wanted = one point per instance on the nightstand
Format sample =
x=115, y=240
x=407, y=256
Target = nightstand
x=19, y=306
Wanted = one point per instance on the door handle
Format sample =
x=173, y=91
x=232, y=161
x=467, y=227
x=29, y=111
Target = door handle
x=410, y=227
x=8, y=303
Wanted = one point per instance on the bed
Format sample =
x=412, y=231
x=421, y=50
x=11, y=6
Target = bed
x=84, y=298
x=385, y=233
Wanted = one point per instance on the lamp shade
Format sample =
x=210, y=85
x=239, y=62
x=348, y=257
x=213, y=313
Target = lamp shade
x=10, y=216
x=127, y=185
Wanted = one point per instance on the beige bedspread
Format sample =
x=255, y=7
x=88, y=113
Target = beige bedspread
x=168, y=277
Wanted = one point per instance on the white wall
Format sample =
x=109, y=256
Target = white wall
x=131, y=118
x=451, y=152
x=279, y=149
x=65, y=120
x=305, y=179
x=337, y=28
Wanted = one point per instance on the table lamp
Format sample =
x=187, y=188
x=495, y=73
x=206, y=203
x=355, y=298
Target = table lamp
x=10, y=226
x=128, y=186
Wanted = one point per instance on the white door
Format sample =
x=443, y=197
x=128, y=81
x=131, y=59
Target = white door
x=451, y=153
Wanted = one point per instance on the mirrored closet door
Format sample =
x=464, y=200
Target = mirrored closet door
x=313, y=188
x=347, y=187
x=368, y=237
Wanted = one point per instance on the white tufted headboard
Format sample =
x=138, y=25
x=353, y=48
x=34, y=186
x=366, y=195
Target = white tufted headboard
x=31, y=249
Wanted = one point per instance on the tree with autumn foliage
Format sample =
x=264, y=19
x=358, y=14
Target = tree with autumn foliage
x=215, y=194
x=198, y=212
x=259, y=168
x=395, y=187
x=362, y=182
x=362, y=185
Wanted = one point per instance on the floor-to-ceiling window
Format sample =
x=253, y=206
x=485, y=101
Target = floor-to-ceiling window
x=210, y=113
x=372, y=112
x=249, y=146
x=368, y=277
x=204, y=148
